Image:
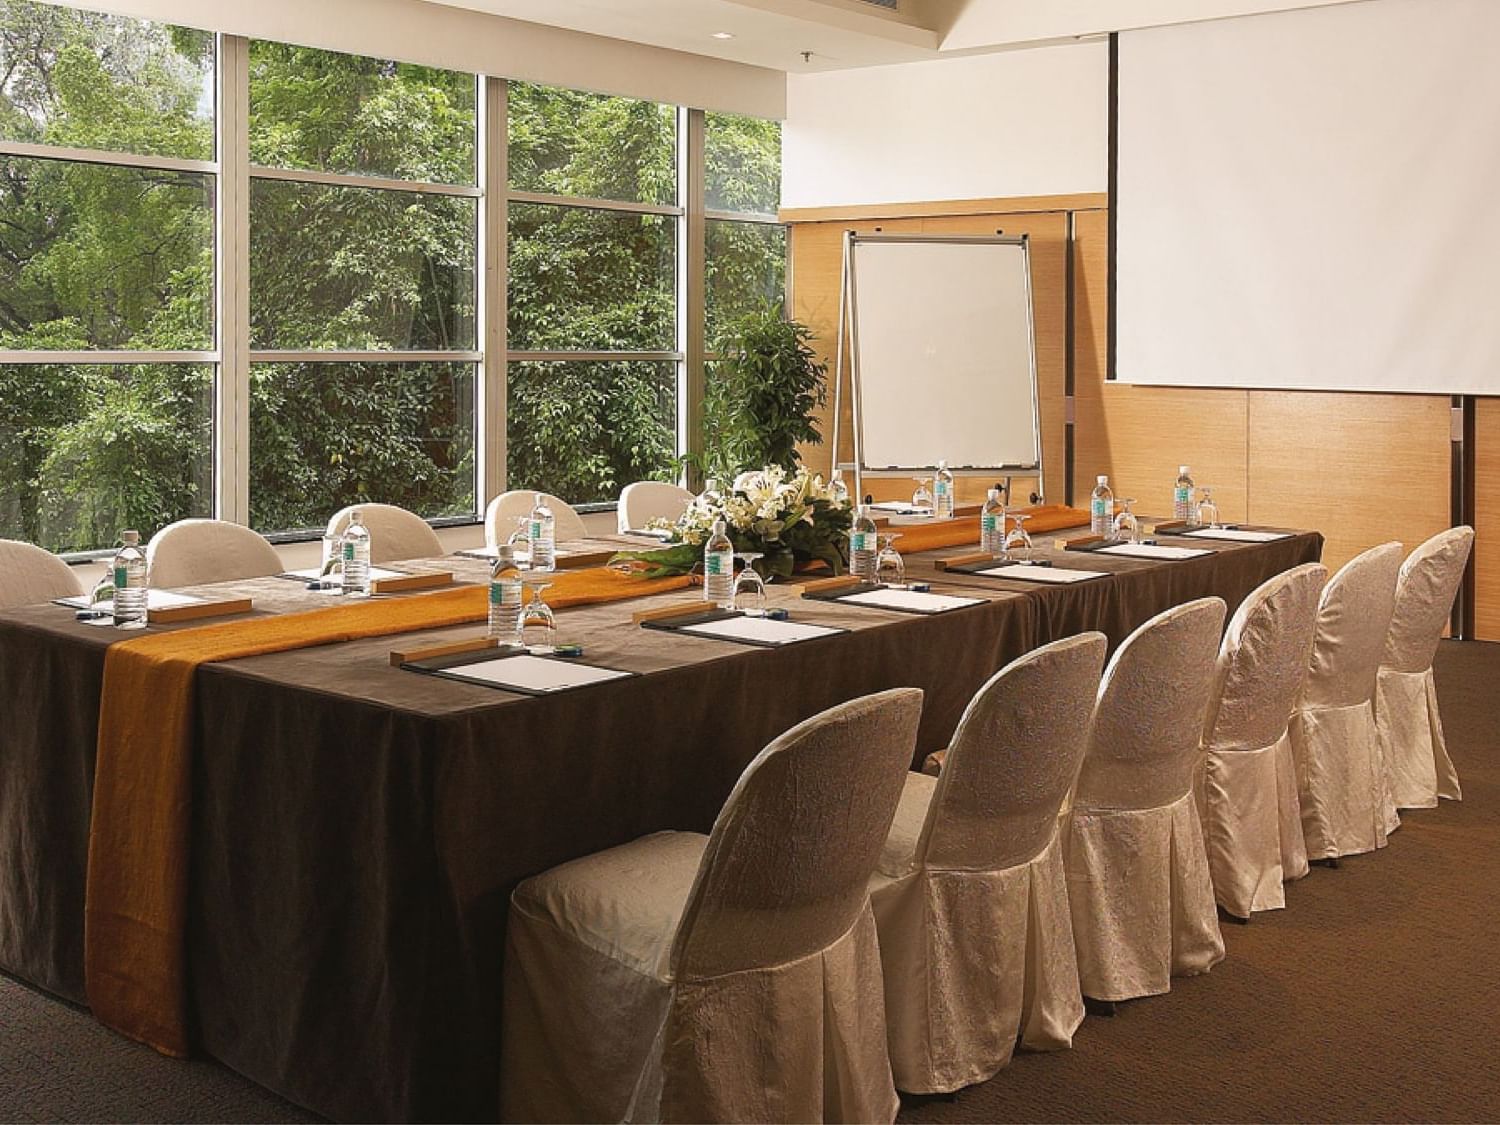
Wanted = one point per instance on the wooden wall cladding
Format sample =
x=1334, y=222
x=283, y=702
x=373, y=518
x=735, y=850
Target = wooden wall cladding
x=1487, y=520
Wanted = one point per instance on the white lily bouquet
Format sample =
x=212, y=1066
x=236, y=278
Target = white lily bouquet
x=790, y=519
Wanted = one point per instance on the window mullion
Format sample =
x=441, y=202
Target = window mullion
x=232, y=268
x=492, y=276
x=690, y=292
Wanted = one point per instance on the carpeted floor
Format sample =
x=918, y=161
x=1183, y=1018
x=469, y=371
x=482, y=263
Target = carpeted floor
x=1375, y=996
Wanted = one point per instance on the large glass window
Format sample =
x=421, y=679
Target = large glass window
x=363, y=300
x=107, y=187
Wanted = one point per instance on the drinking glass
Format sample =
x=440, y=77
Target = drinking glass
x=1017, y=540
x=890, y=569
x=538, y=626
x=1127, y=528
x=922, y=497
x=1208, y=511
x=332, y=566
x=749, y=594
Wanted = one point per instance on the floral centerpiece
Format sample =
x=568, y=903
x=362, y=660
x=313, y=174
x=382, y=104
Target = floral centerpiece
x=790, y=518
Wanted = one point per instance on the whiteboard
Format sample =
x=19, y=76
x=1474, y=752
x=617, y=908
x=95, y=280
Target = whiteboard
x=942, y=352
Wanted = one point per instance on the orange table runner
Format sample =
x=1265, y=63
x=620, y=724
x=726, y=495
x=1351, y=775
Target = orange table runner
x=964, y=530
x=136, y=895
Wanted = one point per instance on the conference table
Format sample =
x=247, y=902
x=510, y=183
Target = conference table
x=357, y=828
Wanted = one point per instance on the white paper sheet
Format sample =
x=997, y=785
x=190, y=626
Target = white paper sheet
x=313, y=573
x=155, y=599
x=897, y=507
x=533, y=673
x=910, y=600
x=762, y=630
x=1054, y=574
x=1153, y=551
x=1235, y=535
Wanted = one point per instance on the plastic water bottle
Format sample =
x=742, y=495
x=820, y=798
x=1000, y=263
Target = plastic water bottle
x=992, y=525
x=718, y=568
x=839, y=489
x=942, y=492
x=505, y=597
x=1182, y=498
x=129, y=572
x=541, y=531
x=862, y=546
x=1102, y=508
x=356, y=557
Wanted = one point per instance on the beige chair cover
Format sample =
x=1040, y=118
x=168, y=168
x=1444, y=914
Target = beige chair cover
x=1247, y=794
x=504, y=510
x=970, y=898
x=1138, y=881
x=1341, y=783
x=732, y=978
x=395, y=533
x=29, y=575
x=648, y=500
x=195, y=552
x=1407, y=723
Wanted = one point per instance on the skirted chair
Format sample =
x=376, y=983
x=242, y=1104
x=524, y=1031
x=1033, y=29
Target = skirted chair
x=1341, y=781
x=1247, y=794
x=970, y=897
x=648, y=500
x=733, y=977
x=395, y=533
x=1138, y=881
x=506, y=510
x=29, y=575
x=196, y=552
x=1407, y=724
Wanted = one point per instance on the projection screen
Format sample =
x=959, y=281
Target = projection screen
x=1305, y=200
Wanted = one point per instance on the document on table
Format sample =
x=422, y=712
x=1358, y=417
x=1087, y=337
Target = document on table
x=1234, y=534
x=912, y=601
x=760, y=630
x=314, y=573
x=155, y=599
x=533, y=675
x=898, y=508
x=1057, y=575
x=1152, y=551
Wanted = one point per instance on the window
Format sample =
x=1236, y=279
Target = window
x=107, y=316
x=363, y=262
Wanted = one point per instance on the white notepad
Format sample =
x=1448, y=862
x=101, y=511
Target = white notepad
x=1235, y=535
x=1153, y=551
x=155, y=599
x=314, y=573
x=898, y=508
x=532, y=673
x=915, y=600
x=1054, y=574
x=761, y=630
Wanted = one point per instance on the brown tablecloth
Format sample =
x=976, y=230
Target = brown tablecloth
x=357, y=829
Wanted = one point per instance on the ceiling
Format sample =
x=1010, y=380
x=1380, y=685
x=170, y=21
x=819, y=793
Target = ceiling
x=811, y=35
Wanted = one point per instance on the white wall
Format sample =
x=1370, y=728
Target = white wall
x=1027, y=122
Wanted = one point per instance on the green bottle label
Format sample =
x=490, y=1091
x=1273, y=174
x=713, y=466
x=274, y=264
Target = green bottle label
x=717, y=563
x=122, y=578
x=862, y=541
x=989, y=522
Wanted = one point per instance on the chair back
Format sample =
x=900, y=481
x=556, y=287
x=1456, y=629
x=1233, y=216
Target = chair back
x=1149, y=718
x=504, y=510
x=196, y=552
x=1425, y=589
x=29, y=575
x=1354, y=616
x=1013, y=759
x=1263, y=661
x=395, y=533
x=786, y=868
x=648, y=500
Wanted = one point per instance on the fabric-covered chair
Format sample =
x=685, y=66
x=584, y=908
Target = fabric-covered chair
x=504, y=510
x=196, y=552
x=395, y=533
x=647, y=500
x=1138, y=881
x=1341, y=782
x=732, y=977
x=1407, y=723
x=1247, y=795
x=970, y=898
x=29, y=575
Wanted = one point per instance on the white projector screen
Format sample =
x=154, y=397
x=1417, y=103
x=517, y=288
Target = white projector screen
x=1305, y=200
x=942, y=350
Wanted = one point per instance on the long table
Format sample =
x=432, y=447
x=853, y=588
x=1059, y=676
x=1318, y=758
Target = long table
x=357, y=829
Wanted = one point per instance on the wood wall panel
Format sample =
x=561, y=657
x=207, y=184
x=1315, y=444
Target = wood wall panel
x=1487, y=520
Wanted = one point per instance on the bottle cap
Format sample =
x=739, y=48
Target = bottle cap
x=1103, y=478
x=1182, y=469
x=994, y=494
x=718, y=527
x=130, y=538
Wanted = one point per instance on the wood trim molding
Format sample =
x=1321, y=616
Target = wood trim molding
x=1083, y=201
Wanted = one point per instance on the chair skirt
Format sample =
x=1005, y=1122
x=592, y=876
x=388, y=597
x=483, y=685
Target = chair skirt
x=1346, y=800
x=1412, y=746
x=1142, y=899
x=1252, y=825
x=976, y=961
